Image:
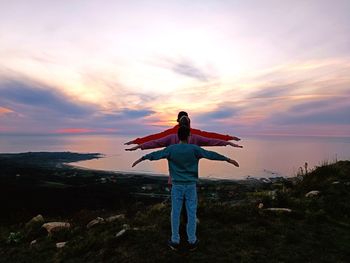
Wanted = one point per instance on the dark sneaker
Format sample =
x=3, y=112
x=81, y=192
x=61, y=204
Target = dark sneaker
x=194, y=246
x=173, y=246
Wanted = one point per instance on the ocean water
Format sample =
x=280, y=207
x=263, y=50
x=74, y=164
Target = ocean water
x=265, y=156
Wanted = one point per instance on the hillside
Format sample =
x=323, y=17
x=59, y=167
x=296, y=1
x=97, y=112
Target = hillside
x=236, y=222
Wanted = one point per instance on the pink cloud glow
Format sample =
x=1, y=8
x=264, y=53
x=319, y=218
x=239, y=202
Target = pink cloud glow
x=83, y=131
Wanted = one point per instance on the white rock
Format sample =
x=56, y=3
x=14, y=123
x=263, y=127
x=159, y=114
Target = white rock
x=336, y=182
x=60, y=244
x=312, y=193
x=120, y=233
x=55, y=226
x=33, y=242
x=261, y=205
x=114, y=218
x=96, y=221
x=279, y=209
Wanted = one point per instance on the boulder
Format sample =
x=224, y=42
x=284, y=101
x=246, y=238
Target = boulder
x=114, y=218
x=39, y=219
x=94, y=222
x=33, y=227
x=52, y=227
x=312, y=193
x=60, y=244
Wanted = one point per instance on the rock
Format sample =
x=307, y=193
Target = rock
x=120, y=233
x=279, y=210
x=39, y=219
x=55, y=226
x=33, y=242
x=260, y=205
x=98, y=220
x=60, y=244
x=336, y=182
x=114, y=218
x=312, y=193
x=33, y=227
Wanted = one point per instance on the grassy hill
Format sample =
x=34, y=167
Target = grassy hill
x=232, y=227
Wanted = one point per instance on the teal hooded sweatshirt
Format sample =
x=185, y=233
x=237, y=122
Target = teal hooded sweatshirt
x=183, y=161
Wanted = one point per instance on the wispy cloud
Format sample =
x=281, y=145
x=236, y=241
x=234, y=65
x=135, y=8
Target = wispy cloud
x=40, y=108
x=25, y=94
x=333, y=111
x=188, y=68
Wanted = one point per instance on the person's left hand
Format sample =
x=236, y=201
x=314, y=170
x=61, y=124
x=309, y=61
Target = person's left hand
x=235, y=145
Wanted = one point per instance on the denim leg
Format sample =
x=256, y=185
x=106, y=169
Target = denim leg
x=177, y=196
x=191, y=207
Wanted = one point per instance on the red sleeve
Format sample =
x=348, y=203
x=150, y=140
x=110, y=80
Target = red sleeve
x=212, y=135
x=156, y=136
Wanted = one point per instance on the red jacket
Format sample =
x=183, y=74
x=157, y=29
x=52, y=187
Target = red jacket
x=173, y=130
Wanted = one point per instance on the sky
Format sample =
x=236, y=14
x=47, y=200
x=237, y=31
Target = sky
x=127, y=67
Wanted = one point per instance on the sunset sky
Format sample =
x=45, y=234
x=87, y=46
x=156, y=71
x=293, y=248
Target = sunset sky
x=127, y=67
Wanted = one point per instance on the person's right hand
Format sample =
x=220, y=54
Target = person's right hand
x=133, y=148
x=233, y=162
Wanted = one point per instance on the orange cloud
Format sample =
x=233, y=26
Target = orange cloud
x=84, y=130
x=4, y=111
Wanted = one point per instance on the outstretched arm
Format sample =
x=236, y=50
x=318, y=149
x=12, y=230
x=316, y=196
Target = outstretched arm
x=162, y=142
x=205, y=141
x=162, y=154
x=153, y=136
x=201, y=153
x=214, y=135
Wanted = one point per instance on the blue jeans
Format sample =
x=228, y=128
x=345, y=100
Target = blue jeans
x=178, y=193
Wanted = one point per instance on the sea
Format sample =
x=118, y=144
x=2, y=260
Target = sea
x=260, y=157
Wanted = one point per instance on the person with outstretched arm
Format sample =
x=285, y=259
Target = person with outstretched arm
x=173, y=130
x=183, y=161
x=174, y=139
